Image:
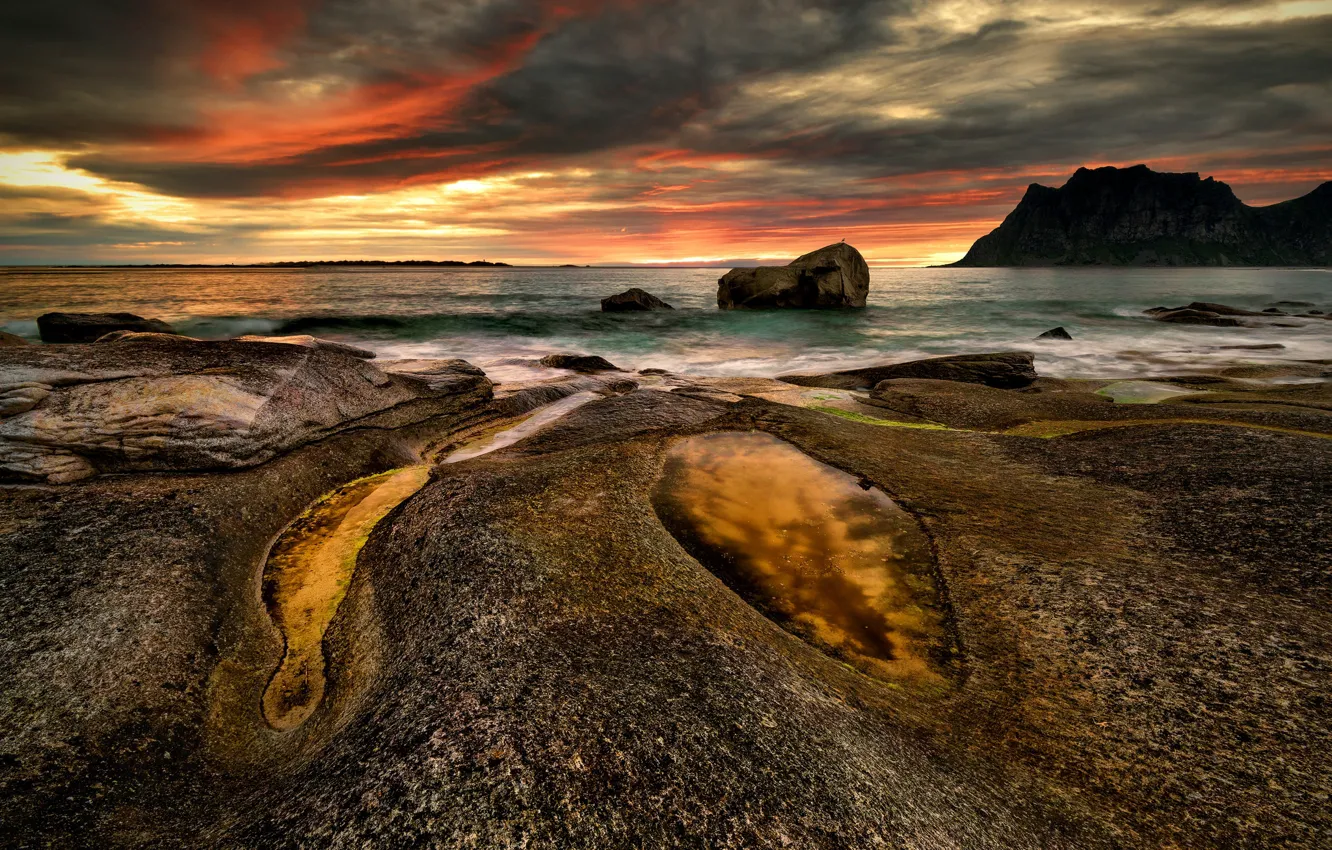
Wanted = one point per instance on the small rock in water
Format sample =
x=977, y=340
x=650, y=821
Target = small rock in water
x=1056, y=333
x=633, y=300
x=579, y=363
x=8, y=339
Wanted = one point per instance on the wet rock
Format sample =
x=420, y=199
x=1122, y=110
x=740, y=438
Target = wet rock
x=87, y=327
x=8, y=339
x=1224, y=309
x=1056, y=333
x=71, y=412
x=578, y=363
x=1212, y=314
x=1004, y=370
x=20, y=398
x=308, y=341
x=633, y=300
x=438, y=377
x=143, y=336
x=1188, y=316
x=835, y=276
x=1295, y=304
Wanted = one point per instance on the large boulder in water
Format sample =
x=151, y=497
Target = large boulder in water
x=633, y=300
x=88, y=327
x=1004, y=370
x=835, y=276
x=159, y=404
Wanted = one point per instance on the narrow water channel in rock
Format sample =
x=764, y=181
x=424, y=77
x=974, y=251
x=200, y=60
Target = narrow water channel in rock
x=308, y=571
x=508, y=436
x=311, y=564
x=839, y=565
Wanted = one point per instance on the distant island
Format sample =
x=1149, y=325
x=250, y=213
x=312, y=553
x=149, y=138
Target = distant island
x=1139, y=217
x=304, y=264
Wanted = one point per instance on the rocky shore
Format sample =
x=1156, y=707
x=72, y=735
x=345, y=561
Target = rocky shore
x=1105, y=625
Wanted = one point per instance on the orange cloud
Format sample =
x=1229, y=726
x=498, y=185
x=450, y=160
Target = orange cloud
x=242, y=37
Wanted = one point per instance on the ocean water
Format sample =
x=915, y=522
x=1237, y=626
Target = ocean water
x=503, y=319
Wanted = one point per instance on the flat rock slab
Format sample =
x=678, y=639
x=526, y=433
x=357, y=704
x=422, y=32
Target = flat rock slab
x=69, y=412
x=1004, y=370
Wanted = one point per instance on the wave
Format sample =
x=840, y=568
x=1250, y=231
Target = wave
x=307, y=324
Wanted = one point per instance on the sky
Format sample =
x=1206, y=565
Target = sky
x=622, y=131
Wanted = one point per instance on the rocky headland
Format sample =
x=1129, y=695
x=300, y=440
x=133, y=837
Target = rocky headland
x=1139, y=217
x=275, y=594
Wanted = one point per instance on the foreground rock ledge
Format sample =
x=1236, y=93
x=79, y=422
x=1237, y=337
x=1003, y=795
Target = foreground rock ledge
x=527, y=657
x=835, y=276
x=171, y=403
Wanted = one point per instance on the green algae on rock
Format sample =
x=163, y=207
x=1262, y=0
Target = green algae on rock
x=1142, y=392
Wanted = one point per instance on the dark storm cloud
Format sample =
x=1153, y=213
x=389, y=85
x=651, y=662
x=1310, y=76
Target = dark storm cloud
x=1107, y=94
x=543, y=80
x=619, y=73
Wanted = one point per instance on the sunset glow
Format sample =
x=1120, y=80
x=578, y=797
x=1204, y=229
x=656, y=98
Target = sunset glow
x=631, y=131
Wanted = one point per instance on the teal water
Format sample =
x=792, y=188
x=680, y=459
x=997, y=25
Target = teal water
x=502, y=319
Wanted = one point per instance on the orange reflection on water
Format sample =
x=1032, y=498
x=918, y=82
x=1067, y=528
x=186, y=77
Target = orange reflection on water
x=841, y=566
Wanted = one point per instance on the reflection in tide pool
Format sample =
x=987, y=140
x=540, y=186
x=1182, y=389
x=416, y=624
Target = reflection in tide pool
x=841, y=566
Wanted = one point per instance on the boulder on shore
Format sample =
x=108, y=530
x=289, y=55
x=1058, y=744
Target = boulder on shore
x=1005, y=370
x=633, y=300
x=1056, y=333
x=88, y=327
x=158, y=404
x=579, y=363
x=835, y=276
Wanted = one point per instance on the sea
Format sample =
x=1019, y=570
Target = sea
x=504, y=319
